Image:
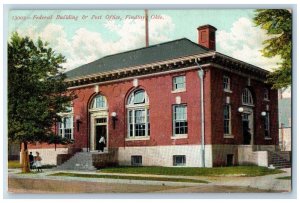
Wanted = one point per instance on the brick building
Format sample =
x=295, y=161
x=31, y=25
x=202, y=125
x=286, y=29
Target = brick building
x=170, y=104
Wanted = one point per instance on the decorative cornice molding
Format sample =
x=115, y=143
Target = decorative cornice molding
x=179, y=64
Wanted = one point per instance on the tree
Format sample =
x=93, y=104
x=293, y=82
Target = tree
x=36, y=92
x=278, y=24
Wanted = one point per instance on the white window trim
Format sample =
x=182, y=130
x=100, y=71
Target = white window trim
x=99, y=108
x=249, y=94
x=229, y=84
x=178, y=136
x=137, y=138
x=228, y=135
x=180, y=89
x=133, y=108
x=63, y=129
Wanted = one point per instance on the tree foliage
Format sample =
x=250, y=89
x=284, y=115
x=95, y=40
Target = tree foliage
x=36, y=90
x=278, y=24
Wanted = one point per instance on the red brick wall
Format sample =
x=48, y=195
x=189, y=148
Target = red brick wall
x=238, y=83
x=161, y=100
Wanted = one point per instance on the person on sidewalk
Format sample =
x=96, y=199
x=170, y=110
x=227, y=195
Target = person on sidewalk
x=38, y=162
x=31, y=160
x=102, y=143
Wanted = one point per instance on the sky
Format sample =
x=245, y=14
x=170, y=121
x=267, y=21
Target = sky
x=83, y=36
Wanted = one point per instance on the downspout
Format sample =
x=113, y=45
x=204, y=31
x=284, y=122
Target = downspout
x=201, y=75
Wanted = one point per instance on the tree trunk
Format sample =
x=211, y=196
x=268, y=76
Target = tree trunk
x=24, y=158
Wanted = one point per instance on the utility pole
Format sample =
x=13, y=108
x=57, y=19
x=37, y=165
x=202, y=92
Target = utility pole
x=146, y=27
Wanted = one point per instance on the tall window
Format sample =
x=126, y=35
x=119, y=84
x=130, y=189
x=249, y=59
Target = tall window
x=65, y=127
x=227, y=119
x=226, y=83
x=266, y=94
x=99, y=102
x=247, y=97
x=179, y=83
x=138, y=114
x=267, y=124
x=180, y=124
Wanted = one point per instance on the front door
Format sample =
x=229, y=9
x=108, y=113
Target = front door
x=100, y=131
x=246, y=133
x=247, y=119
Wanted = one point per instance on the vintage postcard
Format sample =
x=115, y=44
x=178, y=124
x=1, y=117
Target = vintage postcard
x=149, y=101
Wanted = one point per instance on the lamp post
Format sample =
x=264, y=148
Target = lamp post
x=114, y=119
x=78, y=122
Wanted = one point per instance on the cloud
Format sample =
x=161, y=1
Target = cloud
x=244, y=42
x=86, y=46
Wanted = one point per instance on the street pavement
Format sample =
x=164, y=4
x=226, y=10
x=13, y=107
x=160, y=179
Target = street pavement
x=268, y=183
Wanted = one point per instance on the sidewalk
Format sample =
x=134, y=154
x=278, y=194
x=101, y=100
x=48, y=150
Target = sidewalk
x=268, y=182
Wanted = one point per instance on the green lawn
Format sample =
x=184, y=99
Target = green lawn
x=189, y=171
x=129, y=177
x=14, y=164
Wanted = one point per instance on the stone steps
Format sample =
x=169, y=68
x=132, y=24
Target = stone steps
x=279, y=159
x=80, y=161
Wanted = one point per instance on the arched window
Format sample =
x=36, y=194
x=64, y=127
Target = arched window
x=247, y=97
x=138, y=124
x=99, y=102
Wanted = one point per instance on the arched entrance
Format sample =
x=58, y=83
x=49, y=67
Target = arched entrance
x=98, y=122
x=247, y=117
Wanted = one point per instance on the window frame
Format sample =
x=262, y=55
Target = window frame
x=133, y=163
x=247, y=98
x=61, y=126
x=174, y=135
x=131, y=109
x=182, y=163
x=266, y=94
x=267, y=125
x=94, y=102
x=182, y=89
x=229, y=133
x=228, y=85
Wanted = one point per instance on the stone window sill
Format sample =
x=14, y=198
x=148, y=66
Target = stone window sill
x=174, y=137
x=137, y=138
x=228, y=136
x=178, y=91
x=228, y=91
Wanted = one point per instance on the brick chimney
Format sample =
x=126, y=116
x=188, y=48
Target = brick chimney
x=207, y=36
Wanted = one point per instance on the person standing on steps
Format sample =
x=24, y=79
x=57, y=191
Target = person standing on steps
x=102, y=143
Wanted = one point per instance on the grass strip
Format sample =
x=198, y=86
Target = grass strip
x=285, y=178
x=248, y=171
x=129, y=177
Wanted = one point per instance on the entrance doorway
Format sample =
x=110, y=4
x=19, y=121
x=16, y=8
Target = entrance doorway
x=100, y=131
x=98, y=124
x=246, y=129
x=247, y=121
